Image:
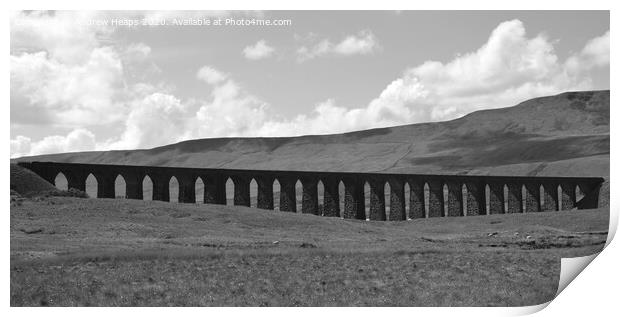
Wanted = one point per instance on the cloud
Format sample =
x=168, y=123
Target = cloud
x=260, y=50
x=69, y=72
x=158, y=119
x=64, y=35
x=597, y=50
x=59, y=89
x=594, y=54
x=507, y=68
x=63, y=76
x=75, y=141
x=137, y=52
x=154, y=120
x=62, y=71
x=230, y=111
x=20, y=146
x=363, y=43
x=210, y=75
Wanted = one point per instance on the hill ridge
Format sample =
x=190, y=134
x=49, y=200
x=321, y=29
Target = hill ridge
x=567, y=134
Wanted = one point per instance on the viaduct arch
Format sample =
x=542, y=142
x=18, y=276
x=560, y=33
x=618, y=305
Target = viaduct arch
x=523, y=193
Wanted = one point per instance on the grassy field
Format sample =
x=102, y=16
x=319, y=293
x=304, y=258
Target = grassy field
x=105, y=252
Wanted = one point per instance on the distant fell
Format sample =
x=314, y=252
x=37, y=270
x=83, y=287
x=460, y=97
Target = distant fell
x=561, y=135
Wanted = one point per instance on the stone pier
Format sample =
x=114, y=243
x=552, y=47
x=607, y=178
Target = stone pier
x=476, y=204
x=264, y=199
x=435, y=198
x=309, y=198
x=377, y=199
x=331, y=198
x=416, y=200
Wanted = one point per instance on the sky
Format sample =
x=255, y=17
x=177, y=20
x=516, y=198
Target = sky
x=83, y=81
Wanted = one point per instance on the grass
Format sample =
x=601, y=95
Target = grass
x=26, y=182
x=309, y=278
x=80, y=252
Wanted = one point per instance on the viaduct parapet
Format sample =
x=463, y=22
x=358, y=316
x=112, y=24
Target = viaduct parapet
x=465, y=195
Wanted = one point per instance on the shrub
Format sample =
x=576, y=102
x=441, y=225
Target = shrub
x=72, y=192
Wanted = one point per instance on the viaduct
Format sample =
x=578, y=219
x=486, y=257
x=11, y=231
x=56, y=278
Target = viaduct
x=555, y=191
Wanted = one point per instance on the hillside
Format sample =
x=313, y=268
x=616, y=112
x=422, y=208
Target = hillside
x=566, y=134
x=26, y=182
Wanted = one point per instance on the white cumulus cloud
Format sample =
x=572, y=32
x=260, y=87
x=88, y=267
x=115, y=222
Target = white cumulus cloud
x=260, y=50
x=230, y=111
x=75, y=141
x=71, y=95
x=509, y=67
x=210, y=75
x=594, y=54
x=362, y=43
x=154, y=120
x=157, y=119
x=64, y=35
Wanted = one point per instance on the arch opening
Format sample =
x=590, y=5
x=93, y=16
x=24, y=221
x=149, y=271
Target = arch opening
x=120, y=187
x=366, y=200
x=387, y=194
x=487, y=199
x=541, y=192
x=147, y=188
x=230, y=192
x=341, y=192
x=407, y=200
x=253, y=193
x=276, y=195
x=320, y=192
x=298, y=195
x=506, y=194
x=173, y=189
x=199, y=190
x=427, y=193
x=61, y=182
x=579, y=194
x=92, y=186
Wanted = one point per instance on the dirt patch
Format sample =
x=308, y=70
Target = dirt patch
x=559, y=242
x=180, y=214
x=32, y=230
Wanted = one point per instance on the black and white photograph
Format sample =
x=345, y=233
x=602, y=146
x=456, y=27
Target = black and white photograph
x=305, y=158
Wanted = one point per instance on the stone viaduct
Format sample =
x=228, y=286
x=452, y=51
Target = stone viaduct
x=465, y=194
